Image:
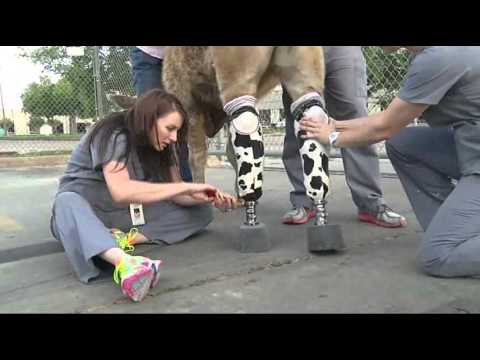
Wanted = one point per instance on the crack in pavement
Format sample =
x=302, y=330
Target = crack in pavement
x=275, y=264
x=462, y=310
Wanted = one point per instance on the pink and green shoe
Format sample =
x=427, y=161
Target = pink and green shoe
x=135, y=276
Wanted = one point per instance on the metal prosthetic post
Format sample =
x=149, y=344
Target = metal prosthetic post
x=251, y=213
x=321, y=237
x=247, y=141
x=321, y=215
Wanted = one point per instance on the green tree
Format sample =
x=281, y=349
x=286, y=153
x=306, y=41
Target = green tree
x=35, y=123
x=78, y=71
x=39, y=101
x=116, y=73
x=385, y=73
x=75, y=91
x=7, y=125
x=57, y=126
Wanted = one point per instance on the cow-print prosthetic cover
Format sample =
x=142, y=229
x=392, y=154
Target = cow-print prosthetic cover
x=249, y=151
x=314, y=155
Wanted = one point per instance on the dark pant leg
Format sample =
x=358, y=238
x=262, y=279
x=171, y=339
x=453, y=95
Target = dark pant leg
x=147, y=75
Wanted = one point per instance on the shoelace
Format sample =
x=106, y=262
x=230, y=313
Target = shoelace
x=119, y=270
x=124, y=241
x=383, y=208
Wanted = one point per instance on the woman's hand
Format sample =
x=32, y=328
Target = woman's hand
x=225, y=202
x=205, y=193
x=202, y=192
x=318, y=130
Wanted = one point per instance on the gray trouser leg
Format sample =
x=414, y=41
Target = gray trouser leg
x=346, y=98
x=426, y=162
x=167, y=222
x=81, y=233
x=291, y=159
x=451, y=245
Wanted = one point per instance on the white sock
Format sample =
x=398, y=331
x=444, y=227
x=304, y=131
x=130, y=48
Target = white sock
x=237, y=103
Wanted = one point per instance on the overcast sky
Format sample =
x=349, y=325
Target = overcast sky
x=15, y=75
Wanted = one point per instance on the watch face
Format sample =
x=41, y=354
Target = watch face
x=333, y=137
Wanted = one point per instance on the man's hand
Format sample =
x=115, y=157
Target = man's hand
x=318, y=130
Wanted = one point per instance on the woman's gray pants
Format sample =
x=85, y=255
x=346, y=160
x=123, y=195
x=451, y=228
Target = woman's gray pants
x=84, y=231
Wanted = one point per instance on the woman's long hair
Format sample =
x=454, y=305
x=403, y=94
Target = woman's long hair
x=136, y=124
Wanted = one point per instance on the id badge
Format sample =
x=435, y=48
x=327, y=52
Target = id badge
x=136, y=213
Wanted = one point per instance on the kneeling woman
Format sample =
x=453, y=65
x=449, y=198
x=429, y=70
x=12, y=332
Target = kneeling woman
x=124, y=175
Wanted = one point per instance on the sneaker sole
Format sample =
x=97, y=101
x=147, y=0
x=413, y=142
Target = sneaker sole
x=377, y=222
x=295, y=222
x=136, y=286
x=156, y=274
x=299, y=222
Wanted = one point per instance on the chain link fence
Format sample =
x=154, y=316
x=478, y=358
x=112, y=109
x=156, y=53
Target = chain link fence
x=76, y=88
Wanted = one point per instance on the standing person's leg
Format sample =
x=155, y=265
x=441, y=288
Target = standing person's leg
x=302, y=210
x=346, y=98
x=146, y=71
x=84, y=237
x=147, y=75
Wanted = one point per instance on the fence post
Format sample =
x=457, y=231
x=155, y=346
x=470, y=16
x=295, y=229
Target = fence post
x=3, y=113
x=98, y=83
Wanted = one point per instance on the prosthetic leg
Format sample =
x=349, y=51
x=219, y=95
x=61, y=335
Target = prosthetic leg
x=247, y=140
x=321, y=237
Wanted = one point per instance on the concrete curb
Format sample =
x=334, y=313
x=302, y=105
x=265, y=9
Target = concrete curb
x=45, y=160
x=52, y=160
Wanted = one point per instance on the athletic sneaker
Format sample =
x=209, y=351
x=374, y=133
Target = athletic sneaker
x=385, y=217
x=298, y=216
x=155, y=266
x=134, y=276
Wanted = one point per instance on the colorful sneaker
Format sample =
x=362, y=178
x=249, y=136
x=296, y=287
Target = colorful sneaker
x=385, y=217
x=124, y=241
x=134, y=276
x=155, y=266
x=298, y=216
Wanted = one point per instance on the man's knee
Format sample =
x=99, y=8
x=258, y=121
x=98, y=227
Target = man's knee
x=395, y=148
x=429, y=267
x=406, y=141
x=432, y=260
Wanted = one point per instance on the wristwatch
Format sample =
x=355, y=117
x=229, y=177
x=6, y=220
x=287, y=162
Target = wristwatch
x=333, y=138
